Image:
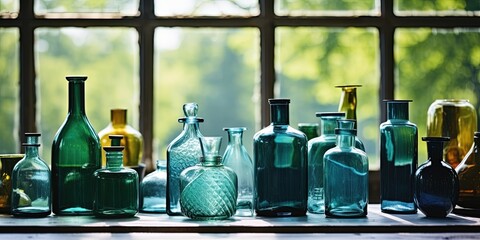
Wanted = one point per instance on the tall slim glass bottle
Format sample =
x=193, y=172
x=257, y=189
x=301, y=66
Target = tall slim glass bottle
x=398, y=159
x=280, y=163
x=183, y=152
x=75, y=156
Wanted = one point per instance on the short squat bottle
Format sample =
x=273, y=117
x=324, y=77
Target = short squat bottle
x=153, y=190
x=116, y=187
x=31, y=182
x=398, y=159
x=183, y=152
x=346, y=177
x=316, y=150
x=280, y=163
x=469, y=176
x=208, y=190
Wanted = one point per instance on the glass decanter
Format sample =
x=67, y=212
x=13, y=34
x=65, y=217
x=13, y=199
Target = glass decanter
x=116, y=187
x=153, y=190
x=310, y=129
x=280, y=166
x=469, y=176
x=209, y=189
x=398, y=159
x=31, y=196
x=316, y=150
x=237, y=158
x=346, y=177
x=183, y=152
x=76, y=154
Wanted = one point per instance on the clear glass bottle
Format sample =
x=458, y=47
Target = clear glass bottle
x=153, y=190
x=209, y=189
x=237, y=159
x=31, y=196
x=76, y=154
x=398, y=159
x=346, y=177
x=316, y=150
x=469, y=176
x=183, y=152
x=436, y=182
x=116, y=187
x=310, y=129
x=348, y=101
x=280, y=166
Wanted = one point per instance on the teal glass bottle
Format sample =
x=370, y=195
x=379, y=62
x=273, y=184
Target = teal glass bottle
x=280, y=163
x=316, y=150
x=76, y=154
x=183, y=152
x=153, y=190
x=116, y=187
x=346, y=177
x=398, y=159
x=310, y=130
x=208, y=191
x=237, y=159
x=31, y=196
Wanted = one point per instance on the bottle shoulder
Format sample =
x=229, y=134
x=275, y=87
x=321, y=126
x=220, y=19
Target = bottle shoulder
x=281, y=131
x=398, y=123
x=125, y=172
x=36, y=164
x=76, y=129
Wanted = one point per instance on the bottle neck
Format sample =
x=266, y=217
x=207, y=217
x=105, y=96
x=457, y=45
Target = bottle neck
x=76, y=97
x=328, y=126
x=211, y=161
x=114, y=160
x=118, y=117
x=31, y=151
x=235, y=138
x=435, y=151
x=348, y=103
x=279, y=114
x=345, y=140
x=397, y=111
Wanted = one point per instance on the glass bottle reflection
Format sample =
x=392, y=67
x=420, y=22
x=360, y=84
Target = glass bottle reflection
x=153, y=190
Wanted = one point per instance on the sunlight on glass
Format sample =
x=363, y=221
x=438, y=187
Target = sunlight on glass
x=437, y=7
x=124, y=7
x=327, y=7
x=8, y=7
x=206, y=8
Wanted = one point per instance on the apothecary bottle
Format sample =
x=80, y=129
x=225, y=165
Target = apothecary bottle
x=76, y=154
x=153, y=190
x=469, y=176
x=398, y=159
x=31, y=196
x=316, y=150
x=436, y=182
x=310, y=130
x=208, y=190
x=280, y=163
x=116, y=187
x=183, y=152
x=236, y=158
x=346, y=177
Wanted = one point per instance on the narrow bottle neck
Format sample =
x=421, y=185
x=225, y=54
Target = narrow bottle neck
x=114, y=160
x=118, y=117
x=279, y=114
x=31, y=151
x=76, y=97
x=211, y=161
x=328, y=126
x=348, y=103
x=397, y=111
x=235, y=138
x=435, y=151
x=345, y=141
x=191, y=128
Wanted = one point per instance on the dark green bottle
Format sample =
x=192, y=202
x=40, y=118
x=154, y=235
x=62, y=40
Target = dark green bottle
x=76, y=154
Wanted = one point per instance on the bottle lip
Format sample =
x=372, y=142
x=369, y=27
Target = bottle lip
x=113, y=148
x=31, y=144
x=348, y=86
x=190, y=120
x=279, y=101
x=347, y=131
x=76, y=78
x=115, y=136
x=330, y=114
x=397, y=101
x=234, y=129
x=307, y=125
x=33, y=134
x=436, y=139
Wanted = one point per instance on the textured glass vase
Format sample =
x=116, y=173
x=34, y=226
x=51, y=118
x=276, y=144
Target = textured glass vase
x=31, y=196
x=346, y=177
x=153, y=190
x=310, y=129
x=316, y=150
x=398, y=159
x=456, y=119
x=469, y=176
x=280, y=163
x=436, y=182
x=7, y=163
x=116, y=187
x=237, y=159
x=208, y=190
x=348, y=101
x=183, y=152
x=76, y=154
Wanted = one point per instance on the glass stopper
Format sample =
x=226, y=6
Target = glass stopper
x=115, y=140
x=190, y=109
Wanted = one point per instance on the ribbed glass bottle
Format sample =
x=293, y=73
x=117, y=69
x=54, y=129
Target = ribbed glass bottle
x=153, y=190
x=469, y=176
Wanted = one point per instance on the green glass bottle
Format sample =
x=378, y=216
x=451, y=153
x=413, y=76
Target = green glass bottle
x=310, y=129
x=76, y=154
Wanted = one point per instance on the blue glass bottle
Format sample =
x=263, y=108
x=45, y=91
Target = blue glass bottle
x=436, y=182
x=398, y=159
x=280, y=163
x=346, y=177
x=316, y=150
x=153, y=190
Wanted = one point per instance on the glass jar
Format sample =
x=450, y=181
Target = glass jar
x=469, y=176
x=153, y=190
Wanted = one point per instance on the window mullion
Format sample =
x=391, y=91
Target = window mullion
x=267, y=50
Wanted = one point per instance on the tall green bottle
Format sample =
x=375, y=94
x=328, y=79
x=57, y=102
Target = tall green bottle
x=76, y=154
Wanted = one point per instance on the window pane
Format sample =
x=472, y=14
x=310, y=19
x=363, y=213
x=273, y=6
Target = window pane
x=327, y=7
x=123, y=7
x=108, y=56
x=437, y=7
x=218, y=69
x=8, y=7
x=9, y=91
x=436, y=64
x=206, y=8
x=311, y=61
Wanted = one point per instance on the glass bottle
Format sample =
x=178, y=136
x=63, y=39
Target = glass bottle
x=76, y=154
x=454, y=118
x=280, y=166
x=153, y=190
x=237, y=159
x=398, y=159
x=116, y=187
x=31, y=196
x=209, y=189
x=348, y=101
x=7, y=163
x=436, y=182
x=469, y=176
x=350, y=124
x=183, y=152
x=310, y=129
x=316, y=150
x=346, y=177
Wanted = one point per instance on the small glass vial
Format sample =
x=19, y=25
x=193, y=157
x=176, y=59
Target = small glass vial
x=153, y=190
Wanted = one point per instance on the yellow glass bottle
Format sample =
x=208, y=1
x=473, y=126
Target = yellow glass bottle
x=348, y=101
